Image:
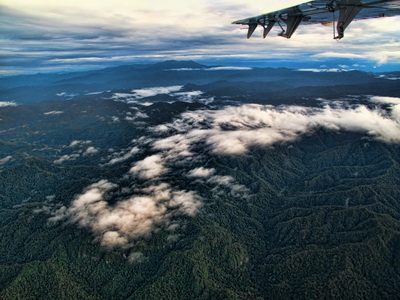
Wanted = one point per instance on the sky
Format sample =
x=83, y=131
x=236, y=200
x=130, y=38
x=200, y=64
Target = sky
x=55, y=36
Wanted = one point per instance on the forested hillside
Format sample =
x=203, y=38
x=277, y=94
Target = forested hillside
x=187, y=193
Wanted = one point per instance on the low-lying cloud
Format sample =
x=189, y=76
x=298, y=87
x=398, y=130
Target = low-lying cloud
x=393, y=102
x=221, y=68
x=90, y=150
x=149, y=168
x=7, y=103
x=67, y=157
x=137, y=96
x=142, y=93
x=179, y=151
x=5, y=160
x=66, y=95
x=386, y=100
x=234, y=130
x=201, y=172
x=54, y=112
x=134, y=95
x=122, y=156
x=76, y=143
x=79, y=150
x=332, y=70
x=138, y=216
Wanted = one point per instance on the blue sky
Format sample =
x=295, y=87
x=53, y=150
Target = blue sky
x=52, y=36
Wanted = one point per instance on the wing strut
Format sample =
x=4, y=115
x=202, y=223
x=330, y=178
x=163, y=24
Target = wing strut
x=346, y=15
x=268, y=28
x=252, y=27
x=292, y=22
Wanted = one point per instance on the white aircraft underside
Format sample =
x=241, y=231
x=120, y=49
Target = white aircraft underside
x=341, y=12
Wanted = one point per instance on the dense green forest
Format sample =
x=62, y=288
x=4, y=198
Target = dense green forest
x=317, y=217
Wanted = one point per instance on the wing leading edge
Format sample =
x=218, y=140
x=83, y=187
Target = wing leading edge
x=322, y=12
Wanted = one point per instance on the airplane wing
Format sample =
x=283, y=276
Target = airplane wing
x=341, y=12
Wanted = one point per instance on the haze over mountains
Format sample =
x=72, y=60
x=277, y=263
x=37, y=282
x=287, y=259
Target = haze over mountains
x=183, y=181
x=43, y=87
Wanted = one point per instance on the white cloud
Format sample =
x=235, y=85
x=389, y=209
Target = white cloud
x=186, y=69
x=136, y=257
x=53, y=112
x=333, y=70
x=138, y=115
x=386, y=77
x=149, y=168
x=90, y=150
x=7, y=103
x=148, y=92
x=141, y=115
x=175, y=91
x=152, y=203
x=5, y=160
x=338, y=55
x=396, y=112
x=94, y=93
x=76, y=143
x=125, y=156
x=229, y=69
x=137, y=217
x=221, y=68
x=176, y=146
x=50, y=198
x=202, y=30
x=188, y=96
x=135, y=96
x=201, y=172
x=66, y=95
x=394, y=103
x=234, y=129
x=77, y=152
x=187, y=202
x=67, y=157
x=387, y=100
x=221, y=180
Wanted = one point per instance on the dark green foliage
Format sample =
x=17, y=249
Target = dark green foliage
x=321, y=221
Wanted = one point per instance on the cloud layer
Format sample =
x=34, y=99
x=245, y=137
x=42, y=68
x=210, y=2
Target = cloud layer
x=135, y=96
x=52, y=36
x=5, y=160
x=118, y=215
x=7, y=103
x=79, y=149
x=137, y=217
x=235, y=129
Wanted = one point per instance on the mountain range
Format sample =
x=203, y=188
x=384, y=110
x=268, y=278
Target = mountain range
x=184, y=181
x=51, y=87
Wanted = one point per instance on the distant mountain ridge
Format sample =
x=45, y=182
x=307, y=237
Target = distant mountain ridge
x=176, y=64
x=8, y=82
x=48, y=87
